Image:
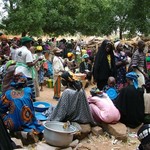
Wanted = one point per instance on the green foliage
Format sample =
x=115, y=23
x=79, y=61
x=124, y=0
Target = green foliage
x=89, y=18
x=25, y=16
x=140, y=16
x=58, y=17
x=61, y=16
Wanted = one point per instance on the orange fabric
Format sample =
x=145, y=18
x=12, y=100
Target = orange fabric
x=57, y=87
x=45, y=65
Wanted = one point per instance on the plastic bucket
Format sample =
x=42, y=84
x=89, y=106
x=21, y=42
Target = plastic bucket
x=50, y=83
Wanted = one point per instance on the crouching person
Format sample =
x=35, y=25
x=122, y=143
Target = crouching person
x=72, y=105
x=103, y=109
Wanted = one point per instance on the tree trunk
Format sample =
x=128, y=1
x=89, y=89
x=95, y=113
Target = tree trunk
x=120, y=33
x=24, y=34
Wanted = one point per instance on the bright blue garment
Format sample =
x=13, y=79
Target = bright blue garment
x=18, y=113
x=134, y=77
x=50, y=69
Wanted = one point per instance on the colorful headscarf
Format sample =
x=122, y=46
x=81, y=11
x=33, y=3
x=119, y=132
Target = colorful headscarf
x=69, y=54
x=39, y=48
x=85, y=56
x=134, y=77
x=116, y=44
x=3, y=37
x=89, y=52
x=19, y=81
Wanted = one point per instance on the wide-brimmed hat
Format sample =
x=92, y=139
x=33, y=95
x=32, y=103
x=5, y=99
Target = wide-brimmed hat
x=25, y=39
x=56, y=50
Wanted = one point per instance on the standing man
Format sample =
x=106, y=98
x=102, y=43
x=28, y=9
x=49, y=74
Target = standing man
x=25, y=63
x=58, y=69
x=138, y=62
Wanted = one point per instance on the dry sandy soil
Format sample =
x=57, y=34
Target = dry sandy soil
x=103, y=142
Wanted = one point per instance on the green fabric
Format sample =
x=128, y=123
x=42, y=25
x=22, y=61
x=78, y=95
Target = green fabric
x=31, y=69
x=147, y=119
x=25, y=40
x=148, y=59
x=9, y=63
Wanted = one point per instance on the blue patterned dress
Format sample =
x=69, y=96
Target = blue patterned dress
x=121, y=71
x=18, y=113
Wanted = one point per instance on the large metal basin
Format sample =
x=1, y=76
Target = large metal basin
x=56, y=135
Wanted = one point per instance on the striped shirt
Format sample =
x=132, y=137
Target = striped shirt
x=138, y=59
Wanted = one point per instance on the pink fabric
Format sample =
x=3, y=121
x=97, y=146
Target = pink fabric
x=148, y=65
x=103, y=109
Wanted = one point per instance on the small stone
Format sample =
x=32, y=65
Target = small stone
x=44, y=146
x=85, y=128
x=97, y=130
x=119, y=130
x=88, y=141
x=69, y=148
x=78, y=146
x=18, y=142
x=133, y=142
x=74, y=143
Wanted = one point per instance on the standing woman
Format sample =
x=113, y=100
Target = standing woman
x=121, y=61
x=104, y=65
x=25, y=63
x=58, y=69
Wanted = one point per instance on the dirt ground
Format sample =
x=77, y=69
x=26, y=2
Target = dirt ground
x=102, y=142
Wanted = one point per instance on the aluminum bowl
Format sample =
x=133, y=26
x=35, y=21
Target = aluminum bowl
x=56, y=135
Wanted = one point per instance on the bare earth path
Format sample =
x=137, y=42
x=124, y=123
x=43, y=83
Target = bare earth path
x=92, y=142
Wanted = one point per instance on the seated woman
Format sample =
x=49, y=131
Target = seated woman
x=8, y=75
x=16, y=109
x=70, y=64
x=72, y=105
x=130, y=102
x=86, y=67
x=103, y=109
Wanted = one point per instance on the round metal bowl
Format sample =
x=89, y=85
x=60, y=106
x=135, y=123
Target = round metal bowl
x=56, y=135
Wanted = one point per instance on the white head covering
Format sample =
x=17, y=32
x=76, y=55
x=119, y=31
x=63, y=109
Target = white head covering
x=116, y=44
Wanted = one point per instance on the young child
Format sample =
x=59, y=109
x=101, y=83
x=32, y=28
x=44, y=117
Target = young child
x=41, y=66
x=111, y=88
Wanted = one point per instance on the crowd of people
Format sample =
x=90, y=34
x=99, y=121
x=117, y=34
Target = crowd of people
x=120, y=81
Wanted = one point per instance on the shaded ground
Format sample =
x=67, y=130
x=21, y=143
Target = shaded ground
x=103, y=142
